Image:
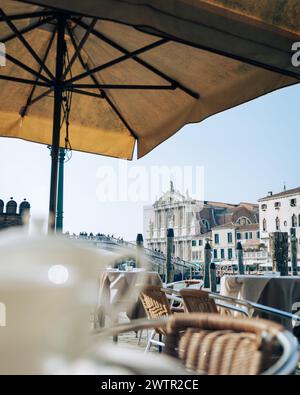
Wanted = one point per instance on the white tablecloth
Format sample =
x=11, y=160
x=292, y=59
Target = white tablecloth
x=119, y=290
x=277, y=292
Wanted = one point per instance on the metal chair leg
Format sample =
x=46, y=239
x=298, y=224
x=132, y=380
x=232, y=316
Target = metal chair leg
x=160, y=340
x=140, y=337
x=150, y=341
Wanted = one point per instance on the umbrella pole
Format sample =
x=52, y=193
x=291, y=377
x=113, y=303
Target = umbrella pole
x=58, y=91
x=60, y=192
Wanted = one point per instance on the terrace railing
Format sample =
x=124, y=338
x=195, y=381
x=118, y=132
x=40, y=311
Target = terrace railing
x=157, y=260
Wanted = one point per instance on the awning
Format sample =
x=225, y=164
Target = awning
x=236, y=51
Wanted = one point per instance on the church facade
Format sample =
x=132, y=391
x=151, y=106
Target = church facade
x=193, y=222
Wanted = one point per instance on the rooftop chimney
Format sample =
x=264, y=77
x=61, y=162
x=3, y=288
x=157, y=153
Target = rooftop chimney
x=270, y=193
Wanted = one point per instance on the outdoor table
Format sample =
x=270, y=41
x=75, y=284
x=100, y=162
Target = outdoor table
x=119, y=289
x=277, y=292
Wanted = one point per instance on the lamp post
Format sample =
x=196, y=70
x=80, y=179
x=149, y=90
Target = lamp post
x=57, y=107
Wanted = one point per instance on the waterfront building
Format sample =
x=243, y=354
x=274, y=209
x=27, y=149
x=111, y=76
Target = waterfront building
x=225, y=238
x=194, y=222
x=280, y=212
x=10, y=215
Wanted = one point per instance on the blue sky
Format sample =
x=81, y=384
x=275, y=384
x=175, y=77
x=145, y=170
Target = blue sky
x=246, y=152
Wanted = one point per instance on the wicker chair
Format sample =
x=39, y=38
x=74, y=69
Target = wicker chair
x=213, y=344
x=156, y=305
x=219, y=345
x=198, y=301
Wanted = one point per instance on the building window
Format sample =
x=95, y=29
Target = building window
x=293, y=232
x=294, y=221
x=264, y=207
x=246, y=235
x=238, y=236
x=285, y=223
x=258, y=234
x=277, y=223
x=229, y=253
x=217, y=239
x=206, y=225
x=215, y=254
x=200, y=242
x=243, y=221
x=193, y=243
x=277, y=205
x=229, y=237
x=293, y=202
x=299, y=220
x=250, y=235
x=264, y=225
x=222, y=254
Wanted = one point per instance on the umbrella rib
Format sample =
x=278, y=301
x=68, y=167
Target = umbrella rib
x=123, y=86
x=24, y=109
x=102, y=92
x=27, y=29
x=80, y=46
x=25, y=67
x=120, y=116
x=143, y=63
x=41, y=96
x=111, y=63
x=226, y=54
x=25, y=43
x=92, y=94
x=27, y=15
x=22, y=80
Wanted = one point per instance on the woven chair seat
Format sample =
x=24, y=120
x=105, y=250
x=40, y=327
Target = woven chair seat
x=220, y=352
x=218, y=345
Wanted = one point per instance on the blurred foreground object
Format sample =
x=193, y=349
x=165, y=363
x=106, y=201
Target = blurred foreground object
x=48, y=294
x=48, y=287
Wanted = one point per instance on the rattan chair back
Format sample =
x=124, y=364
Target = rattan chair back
x=155, y=303
x=198, y=301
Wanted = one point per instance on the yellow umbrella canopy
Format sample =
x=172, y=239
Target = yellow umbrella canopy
x=167, y=84
x=116, y=72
